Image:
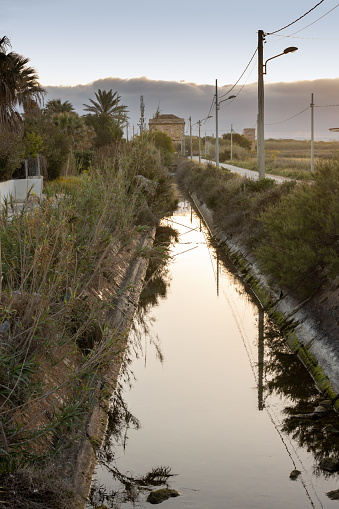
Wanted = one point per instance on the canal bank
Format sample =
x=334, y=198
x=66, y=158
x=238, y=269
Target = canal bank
x=309, y=327
x=211, y=391
x=76, y=467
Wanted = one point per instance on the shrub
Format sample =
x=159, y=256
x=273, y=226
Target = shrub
x=11, y=154
x=300, y=247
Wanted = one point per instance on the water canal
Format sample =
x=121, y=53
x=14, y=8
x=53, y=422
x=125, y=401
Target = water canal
x=210, y=391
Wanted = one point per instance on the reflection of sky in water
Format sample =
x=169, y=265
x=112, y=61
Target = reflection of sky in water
x=199, y=408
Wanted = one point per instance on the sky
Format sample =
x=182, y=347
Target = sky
x=157, y=45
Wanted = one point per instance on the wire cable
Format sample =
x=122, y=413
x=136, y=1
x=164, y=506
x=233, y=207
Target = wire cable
x=230, y=90
x=295, y=21
x=307, y=26
x=296, y=115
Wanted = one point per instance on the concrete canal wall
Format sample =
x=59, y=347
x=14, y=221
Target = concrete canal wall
x=310, y=327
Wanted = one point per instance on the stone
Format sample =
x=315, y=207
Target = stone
x=294, y=474
x=320, y=409
x=333, y=495
x=331, y=430
x=158, y=496
x=327, y=403
x=329, y=464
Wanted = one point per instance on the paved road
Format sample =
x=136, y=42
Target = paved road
x=254, y=175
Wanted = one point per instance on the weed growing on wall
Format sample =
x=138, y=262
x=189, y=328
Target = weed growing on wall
x=60, y=274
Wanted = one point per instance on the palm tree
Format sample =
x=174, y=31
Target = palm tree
x=19, y=86
x=107, y=104
x=55, y=106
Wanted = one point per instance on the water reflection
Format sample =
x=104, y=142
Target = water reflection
x=213, y=423
x=120, y=418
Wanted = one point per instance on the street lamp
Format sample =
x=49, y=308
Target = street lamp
x=261, y=71
x=199, y=122
x=217, y=107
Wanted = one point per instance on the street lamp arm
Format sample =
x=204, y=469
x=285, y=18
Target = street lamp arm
x=227, y=98
x=291, y=49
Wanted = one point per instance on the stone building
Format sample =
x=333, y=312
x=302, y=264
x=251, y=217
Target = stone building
x=249, y=133
x=169, y=124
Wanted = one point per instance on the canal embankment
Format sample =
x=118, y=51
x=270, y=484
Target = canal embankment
x=72, y=272
x=309, y=320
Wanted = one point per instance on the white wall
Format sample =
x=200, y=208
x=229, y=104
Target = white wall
x=19, y=189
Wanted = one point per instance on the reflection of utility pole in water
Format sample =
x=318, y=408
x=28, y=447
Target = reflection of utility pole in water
x=261, y=359
x=217, y=273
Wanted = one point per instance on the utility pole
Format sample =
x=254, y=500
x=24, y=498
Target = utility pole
x=205, y=146
x=312, y=133
x=231, y=142
x=183, y=151
x=260, y=127
x=142, y=111
x=199, y=122
x=127, y=131
x=191, y=137
x=216, y=126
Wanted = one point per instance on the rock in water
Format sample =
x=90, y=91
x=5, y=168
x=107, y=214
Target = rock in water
x=333, y=495
x=294, y=474
x=329, y=464
x=158, y=496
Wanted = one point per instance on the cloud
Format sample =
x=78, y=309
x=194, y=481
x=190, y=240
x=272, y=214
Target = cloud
x=282, y=102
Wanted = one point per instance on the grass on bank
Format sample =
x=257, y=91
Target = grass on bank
x=60, y=273
x=291, y=228
x=287, y=158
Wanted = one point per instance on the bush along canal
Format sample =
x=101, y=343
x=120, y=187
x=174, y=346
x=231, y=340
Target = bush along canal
x=212, y=408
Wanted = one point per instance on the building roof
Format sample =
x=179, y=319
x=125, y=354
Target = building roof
x=167, y=117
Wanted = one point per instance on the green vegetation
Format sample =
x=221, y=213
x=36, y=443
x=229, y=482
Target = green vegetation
x=291, y=228
x=290, y=158
x=19, y=87
x=61, y=267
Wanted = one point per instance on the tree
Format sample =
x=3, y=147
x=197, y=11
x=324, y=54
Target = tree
x=239, y=139
x=19, y=86
x=11, y=153
x=56, y=143
x=107, y=104
x=166, y=146
x=55, y=106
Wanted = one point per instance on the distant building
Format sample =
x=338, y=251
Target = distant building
x=249, y=133
x=169, y=124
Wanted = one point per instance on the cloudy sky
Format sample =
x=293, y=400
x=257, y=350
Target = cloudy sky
x=172, y=53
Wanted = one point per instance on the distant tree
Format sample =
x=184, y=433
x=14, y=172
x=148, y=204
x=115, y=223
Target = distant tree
x=56, y=143
x=19, y=86
x=11, y=153
x=107, y=104
x=107, y=130
x=239, y=139
x=166, y=146
x=55, y=106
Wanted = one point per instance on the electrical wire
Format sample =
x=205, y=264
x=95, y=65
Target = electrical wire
x=230, y=90
x=296, y=115
x=307, y=26
x=241, y=89
x=295, y=21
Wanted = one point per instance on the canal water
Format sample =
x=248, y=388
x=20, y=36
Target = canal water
x=210, y=393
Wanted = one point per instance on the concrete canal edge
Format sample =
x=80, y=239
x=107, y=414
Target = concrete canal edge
x=78, y=468
x=304, y=334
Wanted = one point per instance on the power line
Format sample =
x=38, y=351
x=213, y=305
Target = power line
x=230, y=90
x=296, y=115
x=295, y=21
x=241, y=89
x=307, y=26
